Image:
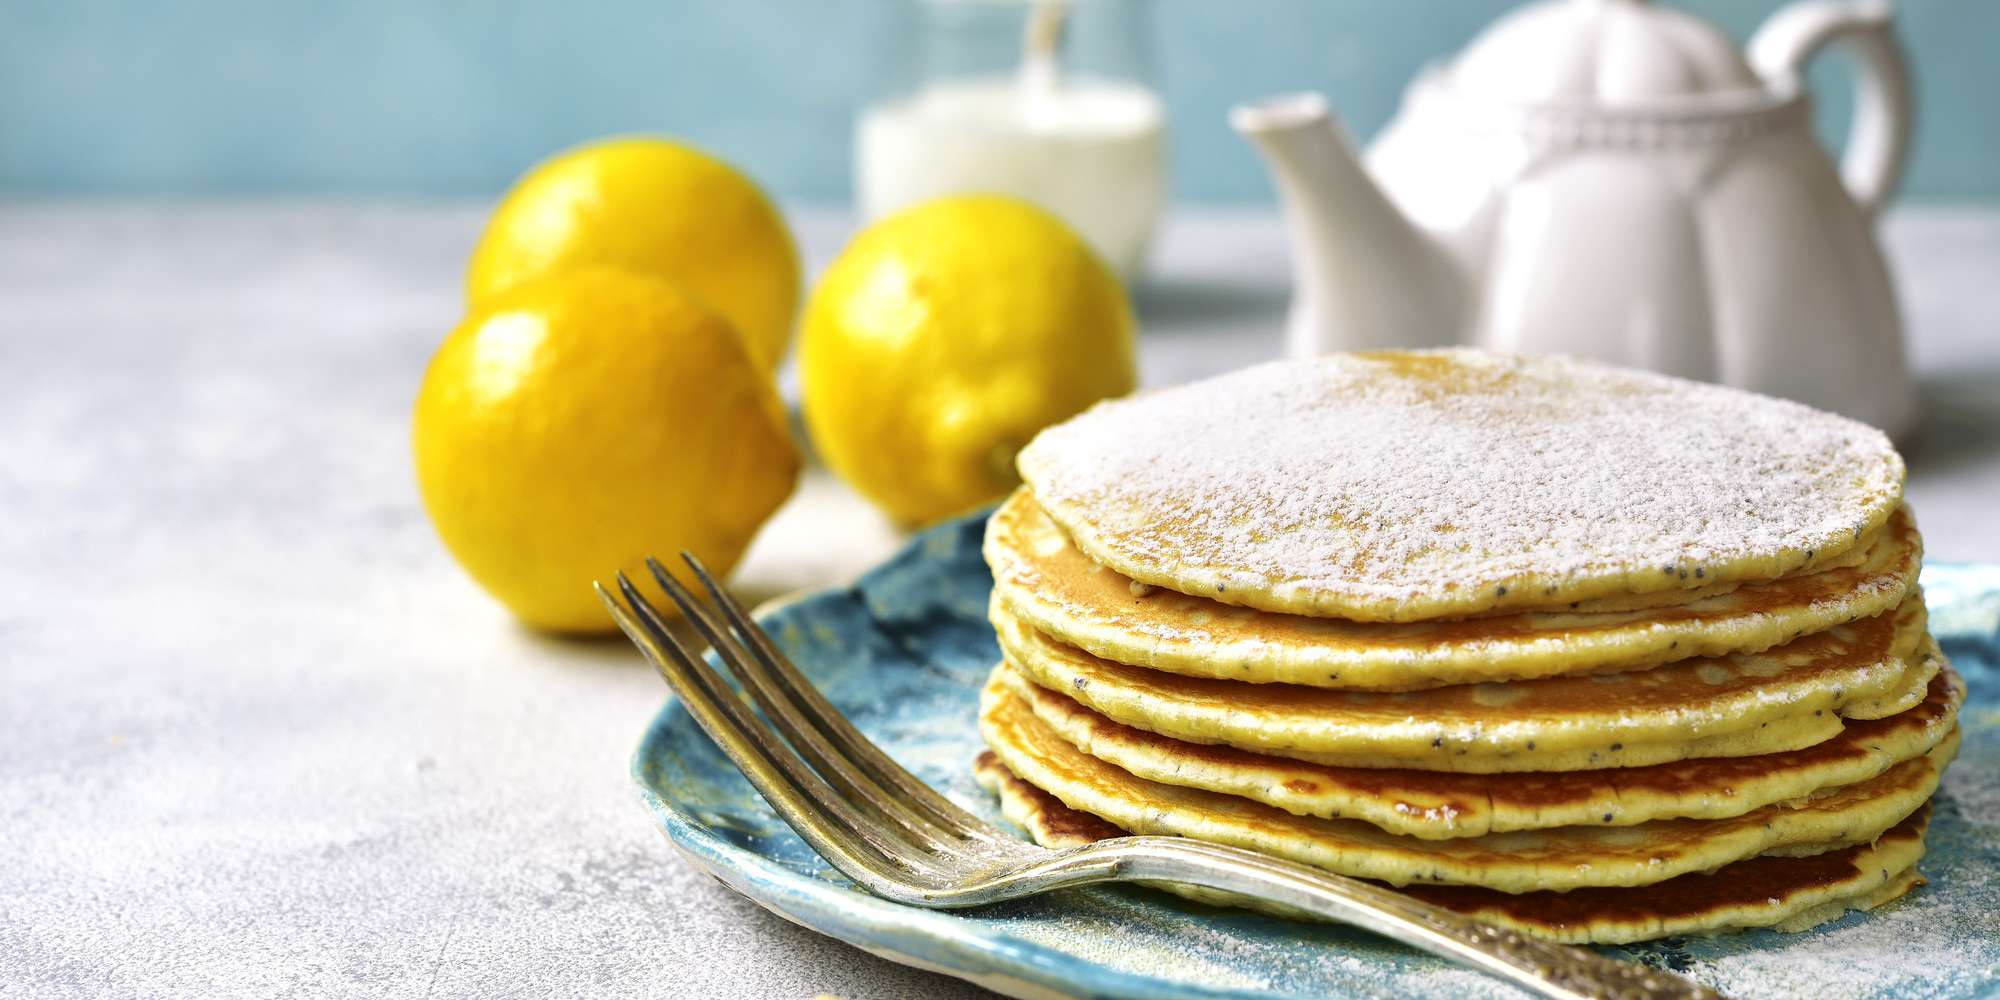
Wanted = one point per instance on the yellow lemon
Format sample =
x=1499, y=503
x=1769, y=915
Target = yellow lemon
x=655, y=207
x=576, y=424
x=944, y=337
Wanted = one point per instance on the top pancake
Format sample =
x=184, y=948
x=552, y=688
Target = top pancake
x=1402, y=486
x=1043, y=580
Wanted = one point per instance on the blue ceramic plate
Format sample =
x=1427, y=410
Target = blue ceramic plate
x=904, y=652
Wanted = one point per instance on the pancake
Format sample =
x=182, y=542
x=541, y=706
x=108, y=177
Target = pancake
x=1042, y=579
x=1740, y=705
x=1404, y=486
x=1557, y=860
x=1923, y=667
x=1787, y=894
x=1436, y=805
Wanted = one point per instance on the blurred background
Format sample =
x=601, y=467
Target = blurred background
x=268, y=729
x=455, y=97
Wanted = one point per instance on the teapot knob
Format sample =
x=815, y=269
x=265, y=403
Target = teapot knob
x=1878, y=143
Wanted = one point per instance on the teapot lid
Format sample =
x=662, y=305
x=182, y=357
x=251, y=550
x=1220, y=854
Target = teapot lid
x=1605, y=52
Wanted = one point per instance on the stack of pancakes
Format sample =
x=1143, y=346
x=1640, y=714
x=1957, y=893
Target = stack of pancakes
x=1596, y=654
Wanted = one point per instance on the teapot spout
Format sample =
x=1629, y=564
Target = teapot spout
x=1363, y=275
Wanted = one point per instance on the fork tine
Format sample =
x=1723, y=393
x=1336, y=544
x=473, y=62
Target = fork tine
x=842, y=773
x=801, y=798
x=833, y=728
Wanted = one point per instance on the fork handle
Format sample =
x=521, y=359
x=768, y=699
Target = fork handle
x=1545, y=968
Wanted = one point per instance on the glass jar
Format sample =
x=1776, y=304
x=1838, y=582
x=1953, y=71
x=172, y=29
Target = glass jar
x=1052, y=102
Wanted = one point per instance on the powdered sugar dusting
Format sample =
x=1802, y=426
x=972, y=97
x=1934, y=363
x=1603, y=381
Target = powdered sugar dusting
x=1357, y=484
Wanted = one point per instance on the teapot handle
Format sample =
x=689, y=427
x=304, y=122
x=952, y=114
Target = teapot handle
x=1879, y=140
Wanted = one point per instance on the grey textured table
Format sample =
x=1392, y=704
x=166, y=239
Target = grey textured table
x=259, y=736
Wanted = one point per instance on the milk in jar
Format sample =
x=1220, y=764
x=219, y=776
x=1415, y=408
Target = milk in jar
x=1053, y=108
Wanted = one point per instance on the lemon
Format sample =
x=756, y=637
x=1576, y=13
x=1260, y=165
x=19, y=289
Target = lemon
x=659, y=208
x=944, y=337
x=575, y=424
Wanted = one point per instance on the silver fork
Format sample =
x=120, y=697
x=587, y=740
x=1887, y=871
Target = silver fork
x=901, y=840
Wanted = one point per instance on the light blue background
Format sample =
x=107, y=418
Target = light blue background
x=454, y=97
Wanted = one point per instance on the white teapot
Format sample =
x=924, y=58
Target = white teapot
x=1614, y=180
